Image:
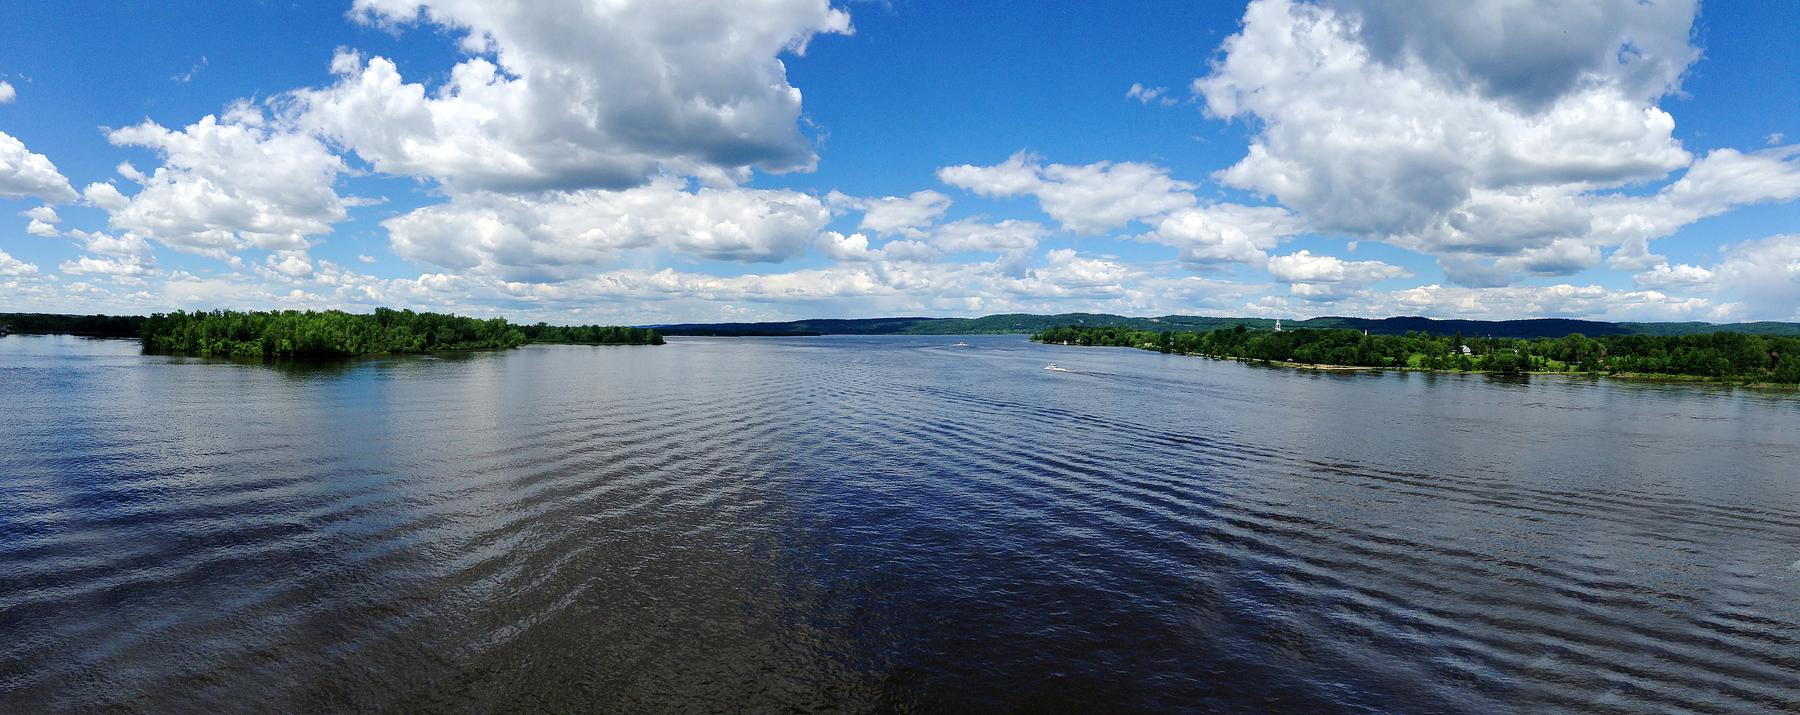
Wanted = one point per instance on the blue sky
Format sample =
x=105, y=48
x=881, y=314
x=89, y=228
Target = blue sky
x=648, y=162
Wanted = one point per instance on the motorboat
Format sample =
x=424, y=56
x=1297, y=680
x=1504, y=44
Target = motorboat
x=1053, y=368
x=960, y=344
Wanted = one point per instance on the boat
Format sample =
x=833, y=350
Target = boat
x=960, y=344
x=1053, y=368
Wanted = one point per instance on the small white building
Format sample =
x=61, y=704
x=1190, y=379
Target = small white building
x=1277, y=325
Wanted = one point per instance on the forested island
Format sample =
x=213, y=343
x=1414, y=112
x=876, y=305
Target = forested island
x=1726, y=356
x=333, y=333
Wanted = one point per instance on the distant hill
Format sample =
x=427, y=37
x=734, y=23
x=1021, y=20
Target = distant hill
x=1025, y=323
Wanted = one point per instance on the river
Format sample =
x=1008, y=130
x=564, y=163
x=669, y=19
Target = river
x=877, y=524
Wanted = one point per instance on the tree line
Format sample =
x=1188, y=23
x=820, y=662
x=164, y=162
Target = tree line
x=105, y=326
x=334, y=333
x=1719, y=355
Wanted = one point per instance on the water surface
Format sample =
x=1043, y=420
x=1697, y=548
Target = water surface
x=864, y=524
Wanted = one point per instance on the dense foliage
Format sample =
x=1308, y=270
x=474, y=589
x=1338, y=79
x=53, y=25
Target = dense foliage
x=590, y=334
x=292, y=333
x=109, y=326
x=1717, y=355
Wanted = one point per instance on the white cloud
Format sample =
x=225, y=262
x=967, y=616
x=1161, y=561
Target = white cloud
x=128, y=245
x=45, y=213
x=575, y=94
x=43, y=221
x=103, y=266
x=1020, y=174
x=1560, y=300
x=7, y=93
x=854, y=248
x=1455, y=129
x=194, y=71
x=1146, y=95
x=1065, y=271
x=1640, y=48
x=1722, y=180
x=1763, y=275
x=23, y=173
x=906, y=215
x=1561, y=257
x=563, y=235
x=1225, y=233
x=1664, y=276
x=1089, y=198
x=1324, y=278
x=225, y=185
x=104, y=196
x=14, y=268
x=365, y=258
x=1010, y=236
x=291, y=265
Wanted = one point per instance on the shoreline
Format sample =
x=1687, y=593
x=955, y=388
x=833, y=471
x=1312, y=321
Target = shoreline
x=1323, y=367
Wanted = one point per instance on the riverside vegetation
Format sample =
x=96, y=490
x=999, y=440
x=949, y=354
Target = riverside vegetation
x=333, y=333
x=1723, y=356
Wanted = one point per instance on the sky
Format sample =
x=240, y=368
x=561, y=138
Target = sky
x=617, y=161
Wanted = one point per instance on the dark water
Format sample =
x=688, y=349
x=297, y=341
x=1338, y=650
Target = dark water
x=854, y=524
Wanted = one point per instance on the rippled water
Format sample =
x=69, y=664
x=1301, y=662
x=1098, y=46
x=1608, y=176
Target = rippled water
x=883, y=523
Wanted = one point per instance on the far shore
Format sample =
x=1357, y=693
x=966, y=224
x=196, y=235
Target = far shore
x=1631, y=376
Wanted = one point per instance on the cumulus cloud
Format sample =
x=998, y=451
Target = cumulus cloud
x=26, y=174
x=7, y=93
x=907, y=215
x=1457, y=129
x=575, y=94
x=103, y=266
x=562, y=235
x=1562, y=257
x=14, y=268
x=1664, y=276
x=128, y=245
x=1722, y=180
x=1066, y=272
x=1088, y=198
x=578, y=148
x=227, y=184
x=1225, y=233
x=1562, y=300
x=43, y=221
x=290, y=265
x=1325, y=278
x=104, y=196
x=855, y=248
x=1763, y=274
x=1010, y=236
x=1640, y=48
